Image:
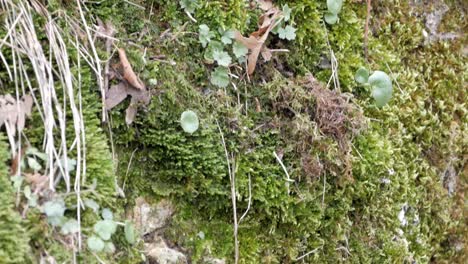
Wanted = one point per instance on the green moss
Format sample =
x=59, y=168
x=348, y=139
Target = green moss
x=14, y=237
x=400, y=161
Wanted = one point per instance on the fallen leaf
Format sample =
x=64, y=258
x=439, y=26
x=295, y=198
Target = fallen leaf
x=128, y=72
x=252, y=59
x=38, y=181
x=250, y=42
x=141, y=97
x=130, y=113
x=16, y=161
x=118, y=93
x=15, y=112
x=257, y=39
x=265, y=21
x=115, y=95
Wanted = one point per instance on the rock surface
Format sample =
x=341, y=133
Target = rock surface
x=159, y=252
x=149, y=218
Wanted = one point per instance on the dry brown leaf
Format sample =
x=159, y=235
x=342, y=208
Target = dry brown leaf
x=130, y=113
x=37, y=181
x=265, y=4
x=258, y=107
x=138, y=98
x=254, y=45
x=115, y=95
x=128, y=72
x=266, y=20
x=118, y=93
x=141, y=97
x=252, y=59
x=15, y=112
x=16, y=161
x=8, y=110
x=250, y=42
x=257, y=39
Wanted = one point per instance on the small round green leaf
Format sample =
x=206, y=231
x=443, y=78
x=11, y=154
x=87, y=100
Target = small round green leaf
x=89, y=203
x=107, y=214
x=239, y=49
x=27, y=191
x=105, y=228
x=55, y=208
x=130, y=233
x=33, y=164
x=227, y=36
x=222, y=58
x=331, y=18
x=70, y=227
x=95, y=244
x=220, y=77
x=189, y=121
x=362, y=75
x=109, y=247
x=288, y=33
x=382, y=89
x=334, y=6
x=212, y=47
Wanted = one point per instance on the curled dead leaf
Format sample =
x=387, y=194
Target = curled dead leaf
x=14, y=113
x=118, y=93
x=256, y=40
x=38, y=181
x=130, y=113
x=128, y=72
x=115, y=95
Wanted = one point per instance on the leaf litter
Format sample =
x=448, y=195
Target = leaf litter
x=14, y=113
x=256, y=40
x=130, y=85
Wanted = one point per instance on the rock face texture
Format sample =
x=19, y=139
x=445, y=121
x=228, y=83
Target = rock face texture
x=158, y=251
x=149, y=218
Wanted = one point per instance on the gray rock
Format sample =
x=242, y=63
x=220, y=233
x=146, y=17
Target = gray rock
x=151, y=217
x=159, y=252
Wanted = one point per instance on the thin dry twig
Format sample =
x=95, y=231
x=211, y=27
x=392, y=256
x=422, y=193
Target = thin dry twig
x=232, y=179
x=308, y=253
x=97, y=61
x=250, y=201
x=288, y=179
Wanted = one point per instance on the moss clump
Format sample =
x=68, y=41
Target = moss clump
x=360, y=196
x=358, y=220
x=14, y=237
